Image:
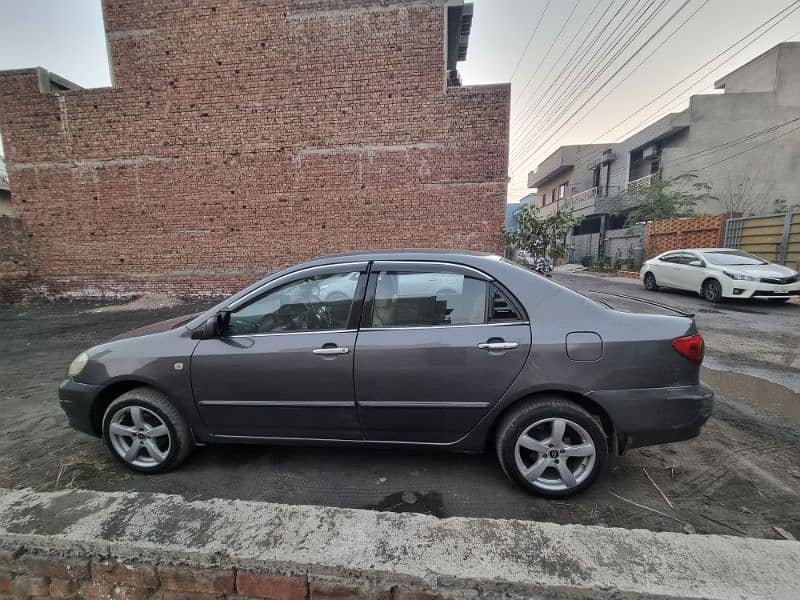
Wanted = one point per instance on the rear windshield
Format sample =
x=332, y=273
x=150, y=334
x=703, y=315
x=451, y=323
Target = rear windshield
x=733, y=257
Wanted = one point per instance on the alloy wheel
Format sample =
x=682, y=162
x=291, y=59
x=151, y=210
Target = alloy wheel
x=139, y=436
x=650, y=281
x=555, y=454
x=712, y=291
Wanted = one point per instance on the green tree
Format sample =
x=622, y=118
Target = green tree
x=662, y=199
x=541, y=236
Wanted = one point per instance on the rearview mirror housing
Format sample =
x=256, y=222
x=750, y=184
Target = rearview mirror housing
x=208, y=330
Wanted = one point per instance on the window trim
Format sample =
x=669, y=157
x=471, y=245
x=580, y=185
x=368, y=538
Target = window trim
x=369, y=304
x=438, y=267
x=361, y=266
x=356, y=307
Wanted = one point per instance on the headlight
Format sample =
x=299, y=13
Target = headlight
x=741, y=277
x=78, y=364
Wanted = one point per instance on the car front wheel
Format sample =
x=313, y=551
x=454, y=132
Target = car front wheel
x=712, y=290
x=552, y=448
x=650, y=282
x=145, y=432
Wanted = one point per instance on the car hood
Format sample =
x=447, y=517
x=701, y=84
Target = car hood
x=770, y=270
x=155, y=327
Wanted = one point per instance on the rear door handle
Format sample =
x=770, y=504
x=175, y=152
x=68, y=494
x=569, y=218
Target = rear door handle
x=330, y=351
x=495, y=346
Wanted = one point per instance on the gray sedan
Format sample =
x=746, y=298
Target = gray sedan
x=457, y=350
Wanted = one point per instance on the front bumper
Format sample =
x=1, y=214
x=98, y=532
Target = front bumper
x=651, y=416
x=76, y=401
x=736, y=288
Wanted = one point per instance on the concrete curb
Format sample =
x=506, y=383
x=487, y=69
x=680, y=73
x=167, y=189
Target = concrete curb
x=478, y=558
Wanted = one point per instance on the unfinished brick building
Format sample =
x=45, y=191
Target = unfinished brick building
x=239, y=137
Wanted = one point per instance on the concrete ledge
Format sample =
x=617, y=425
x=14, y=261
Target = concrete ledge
x=376, y=552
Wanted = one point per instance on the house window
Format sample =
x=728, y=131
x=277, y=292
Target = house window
x=562, y=190
x=553, y=195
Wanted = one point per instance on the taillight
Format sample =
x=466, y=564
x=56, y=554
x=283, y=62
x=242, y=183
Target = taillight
x=691, y=347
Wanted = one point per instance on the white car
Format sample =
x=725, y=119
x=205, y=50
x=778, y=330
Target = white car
x=717, y=273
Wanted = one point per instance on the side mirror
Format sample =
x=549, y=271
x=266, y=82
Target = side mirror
x=210, y=329
x=697, y=263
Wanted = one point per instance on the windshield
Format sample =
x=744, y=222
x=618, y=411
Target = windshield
x=733, y=257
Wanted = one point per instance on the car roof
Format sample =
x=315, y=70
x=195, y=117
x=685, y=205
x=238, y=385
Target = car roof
x=702, y=250
x=443, y=254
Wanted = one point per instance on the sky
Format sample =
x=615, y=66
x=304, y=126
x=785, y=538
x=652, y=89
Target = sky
x=545, y=48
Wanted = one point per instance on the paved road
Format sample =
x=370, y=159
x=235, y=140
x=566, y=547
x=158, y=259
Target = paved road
x=739, y=477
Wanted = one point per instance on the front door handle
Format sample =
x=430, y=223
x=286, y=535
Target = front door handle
x=495, y=346
x=331, y=351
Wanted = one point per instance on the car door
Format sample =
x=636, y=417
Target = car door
x=689, y=276
x=431, y=359
x=283, y=366
x=666, y=271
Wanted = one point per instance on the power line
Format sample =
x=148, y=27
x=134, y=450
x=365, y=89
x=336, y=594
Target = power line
x=751, y=148
x=530, y=39
x=731, y=143
x=617, y=71
x=559, y=107
x=682, y=92
x=791, y=7
x=704, y=65
x=591, y=70
x=575, y=55
x=636, y=68
x=567, y=47
x=550, y=48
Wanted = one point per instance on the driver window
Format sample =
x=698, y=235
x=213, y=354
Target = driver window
x=318, y=303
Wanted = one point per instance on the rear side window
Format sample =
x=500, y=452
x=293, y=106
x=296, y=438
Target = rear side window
x=407, y=299
x=502, y=309
x=673, y=258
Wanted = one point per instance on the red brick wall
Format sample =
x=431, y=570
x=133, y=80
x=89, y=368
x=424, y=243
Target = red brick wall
x=13, y=258
x=698, y=232
x=242, y=137
x=29, y=576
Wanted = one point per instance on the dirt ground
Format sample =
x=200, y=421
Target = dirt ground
x=740, y=477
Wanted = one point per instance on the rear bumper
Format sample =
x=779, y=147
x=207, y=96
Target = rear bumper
x=76, y=401
x=650, y=416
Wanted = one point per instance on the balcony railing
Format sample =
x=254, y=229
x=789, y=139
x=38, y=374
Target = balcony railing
x=582, y=200
x=641, y=183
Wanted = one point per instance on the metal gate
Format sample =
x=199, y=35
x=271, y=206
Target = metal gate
x=775, y=237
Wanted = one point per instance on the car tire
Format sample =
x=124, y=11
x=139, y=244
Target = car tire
x=712, y=290
x=650, y=282
x=145, y=432
x=532, y=455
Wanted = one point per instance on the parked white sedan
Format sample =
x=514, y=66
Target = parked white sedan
x=717, y=273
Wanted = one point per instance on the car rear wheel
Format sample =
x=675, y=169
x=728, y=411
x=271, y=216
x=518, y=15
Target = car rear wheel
x=145, y=432
x=650, y=282
x=712, y=290
x=552, y=448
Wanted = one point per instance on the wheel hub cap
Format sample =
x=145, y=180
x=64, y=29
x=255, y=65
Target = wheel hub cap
x=555, y=454
x=139, y=436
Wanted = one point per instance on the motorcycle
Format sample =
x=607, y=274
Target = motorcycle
x=544, y=266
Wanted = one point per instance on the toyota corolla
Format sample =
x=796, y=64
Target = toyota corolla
x=455, y=350
x=719, y=273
